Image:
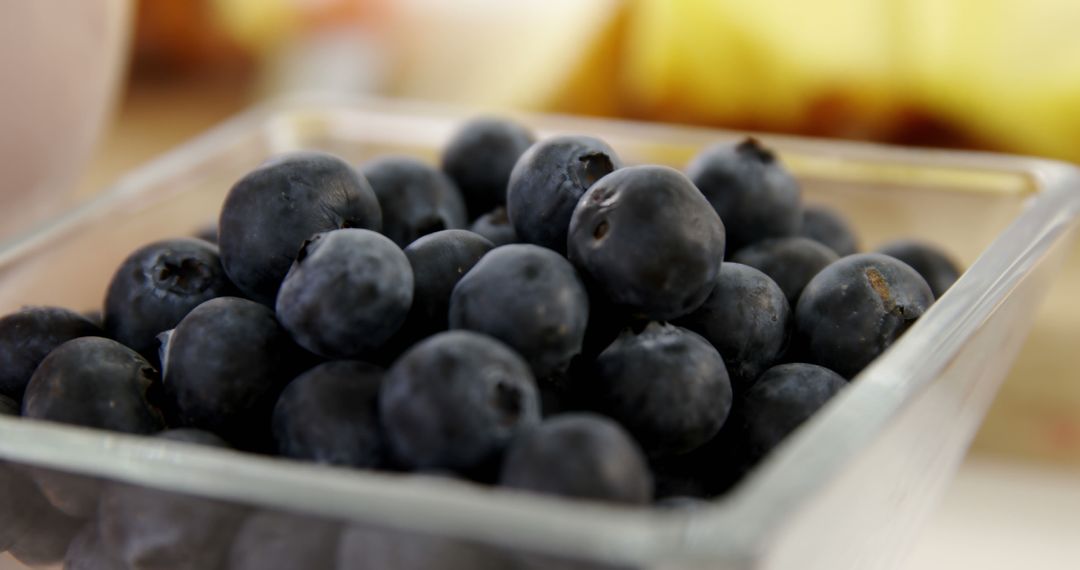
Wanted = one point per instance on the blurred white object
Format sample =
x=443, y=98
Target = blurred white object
x=493, y=53
x=343, y=60
x=60, y=62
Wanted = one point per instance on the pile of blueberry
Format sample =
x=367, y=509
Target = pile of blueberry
x=618, y=333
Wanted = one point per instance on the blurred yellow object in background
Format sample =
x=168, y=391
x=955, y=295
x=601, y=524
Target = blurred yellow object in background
x=769, y=64
x=1002, y=75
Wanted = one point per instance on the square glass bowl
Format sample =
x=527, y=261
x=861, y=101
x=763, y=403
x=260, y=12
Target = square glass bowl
x=847, y=490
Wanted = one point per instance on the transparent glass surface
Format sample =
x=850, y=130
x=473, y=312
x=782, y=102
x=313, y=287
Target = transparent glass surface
x=847, y=490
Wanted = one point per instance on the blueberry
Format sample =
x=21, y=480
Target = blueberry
x=364, y=547
x=790, y=262
x=156, y=286
x=455, y=401
x=96, y=318
x=87, y=552
x=46, y=541
x=227, y=362
x=649, y=240
x=329, y=414
x=24, y=511
x=855, y=308
x=547, y=182
x=78, y=495
x=528, y=297
x=8, y=407
x=747, y=318
x=347, y=294
x=534, y=561
x=415, y=198
x=751, y=190
x=781, y=400
x=682, y=503
x=438, y=262
x=606, y=322
x=582, y=456
x=666, y=385
x=276, y=540
x=939, y=270
x=269, y=213
x=28, y=335
x=71, y=494
x=479, y=158
x=827, y=227
x=711, y=469
x=150, y=528
x=678, y=476
x=496, y=227
x=94, y=382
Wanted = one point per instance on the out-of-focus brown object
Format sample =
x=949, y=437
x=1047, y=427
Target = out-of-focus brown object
x=184, y=37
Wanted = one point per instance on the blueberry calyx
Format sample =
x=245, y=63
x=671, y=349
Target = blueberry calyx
x=594, y=166
x=184, y=276
x=753, y=147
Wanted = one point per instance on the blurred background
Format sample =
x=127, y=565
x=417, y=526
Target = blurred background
x=126, y=81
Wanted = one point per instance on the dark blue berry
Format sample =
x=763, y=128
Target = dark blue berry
x=225, y=365
x=364, y=547
x=8, y=407
x=46, y=541
x=479, y=158
x=416, y=199
x=747, y=318
x=24, y=512
x=827, y=227
x=790, y=262
x=648, y=240
x=547, y=182
x=88, y=552
x=94, y=382
x=857, y=307
x=455, y=401
x=347, y=294
x=96, y=317
x=528, y=297
x=939, y=270
x=269, y=213
x=713, y=468
x=438, y=262
x=781, y=400
x=495, y=226
x=666, y=385
x=582, y=456
x=28, y=335
x=329, y=414
x=681, y=503
x=751, y=190
x=156, y=286
x=271, y=540
x=150, y=528
x=73, y=495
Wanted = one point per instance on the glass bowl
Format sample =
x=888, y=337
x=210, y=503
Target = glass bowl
x=847, y=490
